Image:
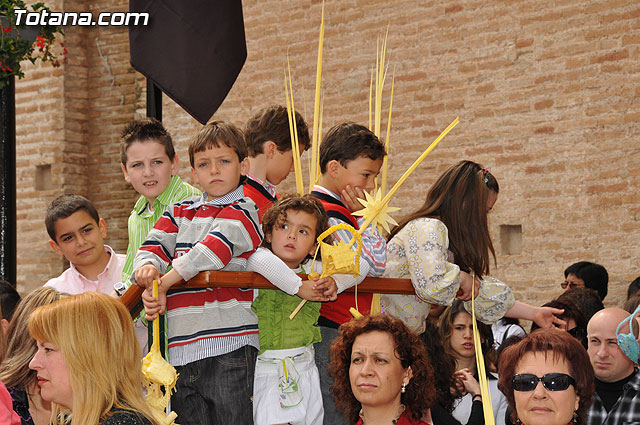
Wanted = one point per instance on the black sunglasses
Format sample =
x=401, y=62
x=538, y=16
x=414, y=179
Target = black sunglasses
x=551, y=381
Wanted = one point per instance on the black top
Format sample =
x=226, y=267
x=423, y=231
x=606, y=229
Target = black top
x=126, y=417
x=610, y=392
x=440, y=416
x=21, y=404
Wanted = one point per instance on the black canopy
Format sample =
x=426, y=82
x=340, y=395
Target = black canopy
x=192, y=49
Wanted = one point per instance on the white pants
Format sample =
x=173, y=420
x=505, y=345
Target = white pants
x=266, y=393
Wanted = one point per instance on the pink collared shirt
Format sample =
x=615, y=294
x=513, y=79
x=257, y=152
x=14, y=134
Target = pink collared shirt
x=73, y=283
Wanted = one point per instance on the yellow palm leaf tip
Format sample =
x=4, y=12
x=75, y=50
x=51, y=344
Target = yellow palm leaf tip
x=376, y=211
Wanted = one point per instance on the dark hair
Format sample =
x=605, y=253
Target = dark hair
x=145, y=130
x=633, y=288
x=277, y=213
x=420, y=392
x=445, y=364
x=9, y=299
x=459, y=199
x=348, y=141
x=508, y=342
x=272, y=124
x=215, y=133
x=587, y=300
x=563, y=346
x=65, y=205
x=594, y=276
x=630, y=305
x=571, y=311
x=486, y=334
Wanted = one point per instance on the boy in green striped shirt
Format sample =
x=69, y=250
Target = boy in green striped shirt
x=150, y=164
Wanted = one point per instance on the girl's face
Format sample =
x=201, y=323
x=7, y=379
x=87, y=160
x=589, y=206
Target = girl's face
x=462, y=336
x=53, y=375
x=294, y=238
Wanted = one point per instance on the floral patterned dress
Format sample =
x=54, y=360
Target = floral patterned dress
x=420, y=252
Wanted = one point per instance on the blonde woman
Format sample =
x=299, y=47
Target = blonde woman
x=88, y=362
x=14, y=370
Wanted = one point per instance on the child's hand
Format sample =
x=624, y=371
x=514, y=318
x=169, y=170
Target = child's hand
x=328, y=287
x=349, y=198
x=309, y=293
x=152, y=305
x=547, y=317
x=146, y=274
x=466, y=283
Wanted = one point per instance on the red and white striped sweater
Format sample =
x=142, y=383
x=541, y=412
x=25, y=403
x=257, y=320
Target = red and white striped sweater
x=195, y=235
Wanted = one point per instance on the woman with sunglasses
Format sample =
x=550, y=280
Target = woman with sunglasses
x=547, y=379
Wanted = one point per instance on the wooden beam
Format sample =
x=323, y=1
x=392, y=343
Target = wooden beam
x=221, y=279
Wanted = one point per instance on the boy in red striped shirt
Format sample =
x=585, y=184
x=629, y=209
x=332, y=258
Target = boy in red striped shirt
x=213, y=334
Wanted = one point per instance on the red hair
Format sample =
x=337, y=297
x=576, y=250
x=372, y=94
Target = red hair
x=562, y=346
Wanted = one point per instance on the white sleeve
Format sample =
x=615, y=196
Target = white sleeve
x=274, y=270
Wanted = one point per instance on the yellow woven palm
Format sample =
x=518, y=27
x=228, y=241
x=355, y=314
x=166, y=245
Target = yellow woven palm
x=157, y=373
x=339, y=257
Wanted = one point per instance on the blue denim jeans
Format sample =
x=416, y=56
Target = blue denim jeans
x=216, y=390
x=332, y=416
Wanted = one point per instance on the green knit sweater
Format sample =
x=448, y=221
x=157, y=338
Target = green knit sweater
x=277, y=332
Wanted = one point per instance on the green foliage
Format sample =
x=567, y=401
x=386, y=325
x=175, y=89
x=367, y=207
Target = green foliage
x=16, y=45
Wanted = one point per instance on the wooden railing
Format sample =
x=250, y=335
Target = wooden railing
x=220, y=279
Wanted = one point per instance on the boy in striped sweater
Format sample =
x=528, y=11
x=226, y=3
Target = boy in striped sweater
x=213, y=334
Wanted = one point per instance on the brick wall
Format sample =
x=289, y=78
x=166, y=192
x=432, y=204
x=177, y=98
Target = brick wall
x=546, y=92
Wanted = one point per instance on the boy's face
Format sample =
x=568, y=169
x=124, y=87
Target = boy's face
x=279, y=163
x=294, y=238
x=79, y=238
x=217, y=170
x=149, y=169
x=360, y=172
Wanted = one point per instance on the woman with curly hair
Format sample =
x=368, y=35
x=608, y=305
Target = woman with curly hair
x=381, y=373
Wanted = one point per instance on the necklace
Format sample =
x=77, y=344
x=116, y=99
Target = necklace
x=393, y=421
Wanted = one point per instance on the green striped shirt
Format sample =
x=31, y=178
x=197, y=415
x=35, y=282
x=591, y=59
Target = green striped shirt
x=141, y=220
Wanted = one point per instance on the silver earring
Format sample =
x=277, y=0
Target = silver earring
x=404, y=388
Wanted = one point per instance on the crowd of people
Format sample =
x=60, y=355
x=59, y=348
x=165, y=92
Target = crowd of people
x=72, y=353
